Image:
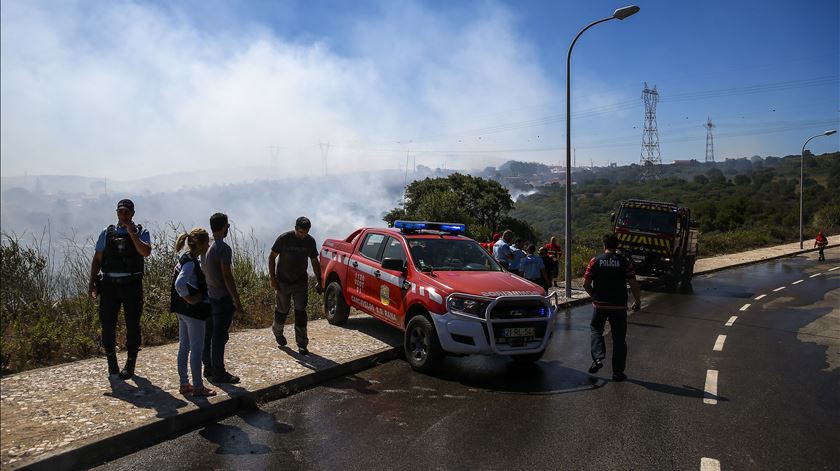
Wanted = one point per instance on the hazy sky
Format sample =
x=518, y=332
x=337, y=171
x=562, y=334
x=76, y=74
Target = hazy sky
x=131, y=89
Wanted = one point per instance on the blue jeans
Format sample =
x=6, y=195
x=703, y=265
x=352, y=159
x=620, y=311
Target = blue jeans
x=216, y=334
x=191, y=335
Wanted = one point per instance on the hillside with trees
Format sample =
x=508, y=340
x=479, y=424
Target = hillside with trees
x=739, y=204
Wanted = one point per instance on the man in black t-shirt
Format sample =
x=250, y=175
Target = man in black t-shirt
x=287, y=271
x=606, y=280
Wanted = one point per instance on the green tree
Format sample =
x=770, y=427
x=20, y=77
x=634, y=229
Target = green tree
x=480, y=203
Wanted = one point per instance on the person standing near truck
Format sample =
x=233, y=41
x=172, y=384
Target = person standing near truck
x=502, y=251
x=533, y=268
x=555, y=252
x=289, y=279
x=821, y=241
x=606, y=280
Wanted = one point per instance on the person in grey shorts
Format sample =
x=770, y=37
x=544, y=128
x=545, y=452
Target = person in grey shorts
x=287, y=271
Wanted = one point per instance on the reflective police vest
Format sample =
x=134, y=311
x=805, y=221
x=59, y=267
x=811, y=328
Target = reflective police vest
x=120, y=255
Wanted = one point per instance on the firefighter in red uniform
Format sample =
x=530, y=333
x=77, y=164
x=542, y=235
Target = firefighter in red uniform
x=821, y=241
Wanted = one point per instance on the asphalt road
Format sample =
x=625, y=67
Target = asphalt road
x=776, y=406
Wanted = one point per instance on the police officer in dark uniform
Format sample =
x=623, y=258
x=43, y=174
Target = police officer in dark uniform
x=606, y=280
x=120, y=251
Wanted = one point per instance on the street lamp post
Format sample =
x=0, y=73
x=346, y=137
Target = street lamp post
x=802, y=181
x=619, y=14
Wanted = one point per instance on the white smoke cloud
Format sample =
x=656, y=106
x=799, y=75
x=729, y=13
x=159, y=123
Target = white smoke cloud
x=126, y=90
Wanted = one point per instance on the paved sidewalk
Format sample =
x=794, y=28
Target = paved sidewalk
x=61, y=416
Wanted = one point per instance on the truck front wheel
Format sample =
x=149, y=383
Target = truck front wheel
x=688, y=272
x=422, y=347
x=335, y=307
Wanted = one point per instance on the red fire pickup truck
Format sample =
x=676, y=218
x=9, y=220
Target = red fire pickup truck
x=440, y=287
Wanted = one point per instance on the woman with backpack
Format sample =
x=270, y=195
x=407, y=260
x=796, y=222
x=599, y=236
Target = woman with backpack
x=190, y=302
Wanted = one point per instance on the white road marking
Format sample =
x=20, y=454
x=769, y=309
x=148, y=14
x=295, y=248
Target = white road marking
x=731, y=321
x=815, y=274
x=745, y=307
x=760, y=297
x=709, y=464
x=779, y=288
x=832, y=269
x=710, y=396
x=797, y=282
x=719, y=343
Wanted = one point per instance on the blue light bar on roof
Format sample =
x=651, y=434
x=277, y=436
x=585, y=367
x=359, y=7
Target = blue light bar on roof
x=411, y=226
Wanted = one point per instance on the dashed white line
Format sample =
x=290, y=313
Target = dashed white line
x=709, y=464
x=710, y=391
x=779, y=288
x=745, y=307
x=832, y=269
x=719, y=343
x=760, y=296
x=815, y=274
x=731, y=321
x=797, y=282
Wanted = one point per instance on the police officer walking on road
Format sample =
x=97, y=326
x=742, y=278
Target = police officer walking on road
x=287, y=270
x=606, y=282
x=120, y=251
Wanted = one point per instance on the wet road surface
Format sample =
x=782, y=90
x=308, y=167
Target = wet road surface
x=716, y=377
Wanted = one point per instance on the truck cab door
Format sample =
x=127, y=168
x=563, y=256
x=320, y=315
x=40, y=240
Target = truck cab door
x=364, y=263
x=390, y=282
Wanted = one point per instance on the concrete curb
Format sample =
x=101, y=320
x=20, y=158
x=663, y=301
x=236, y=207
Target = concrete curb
x=753, y=262
x=101, y=450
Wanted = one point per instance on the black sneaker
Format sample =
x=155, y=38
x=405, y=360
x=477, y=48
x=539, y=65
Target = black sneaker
x=281, y=340
x=596, y=365
x=618, y=377
x=303, y=351
x=225, y=377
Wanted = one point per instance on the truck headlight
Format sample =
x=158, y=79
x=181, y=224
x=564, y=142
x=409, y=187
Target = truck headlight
x=470, y=307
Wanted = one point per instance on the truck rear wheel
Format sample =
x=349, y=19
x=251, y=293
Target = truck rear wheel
x=335, y=308
x=422, y=347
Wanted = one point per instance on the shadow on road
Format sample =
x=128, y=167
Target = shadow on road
x=684, y=390
x=313, y=361
x=146, y=395
x=376, y=329
x=508, y=377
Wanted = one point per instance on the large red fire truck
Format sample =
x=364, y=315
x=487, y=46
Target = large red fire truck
x=440, y=287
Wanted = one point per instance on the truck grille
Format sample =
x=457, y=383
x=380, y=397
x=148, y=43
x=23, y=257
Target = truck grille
x=531, y=309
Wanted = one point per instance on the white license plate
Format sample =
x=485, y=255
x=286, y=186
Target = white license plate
x=519, y=332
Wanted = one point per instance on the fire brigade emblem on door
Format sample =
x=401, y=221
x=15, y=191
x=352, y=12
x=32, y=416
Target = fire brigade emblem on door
x=384, y=295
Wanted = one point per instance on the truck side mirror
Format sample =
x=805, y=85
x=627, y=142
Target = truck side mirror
x=394, y=264
x=612, y=217
x=693, y=224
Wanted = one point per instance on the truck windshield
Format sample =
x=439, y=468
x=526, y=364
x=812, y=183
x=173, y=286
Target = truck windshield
x=647, y=220
x=450, y=255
